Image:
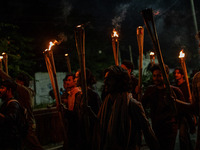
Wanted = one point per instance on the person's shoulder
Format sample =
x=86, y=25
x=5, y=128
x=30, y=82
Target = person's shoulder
x=13, y=103
x=197, y=76
x=175, y=87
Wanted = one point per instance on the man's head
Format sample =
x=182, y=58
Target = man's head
x=7, y=89
x=90, y=78
x=128, y=65
x=23, y=79
x=68, y=81
x=178, y=74
x=116, y=80
x=157, y=74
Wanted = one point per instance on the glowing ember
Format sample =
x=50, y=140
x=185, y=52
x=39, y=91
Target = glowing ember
x=152, y=53
x=78, y=26
x=181, y=54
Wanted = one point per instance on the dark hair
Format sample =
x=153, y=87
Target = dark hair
x=9, y=84
x=90, y=78
x=117, y=80
x=68, y=75
x=128, y=64
x=180, y=70
x=24, y=78
x=157, y=67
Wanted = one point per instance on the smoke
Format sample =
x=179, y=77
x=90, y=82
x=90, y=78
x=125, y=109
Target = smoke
x=66, y=9
x=121, y=11
x=61, y=38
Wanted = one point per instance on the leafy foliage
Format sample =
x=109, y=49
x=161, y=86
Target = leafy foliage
x=17, y=47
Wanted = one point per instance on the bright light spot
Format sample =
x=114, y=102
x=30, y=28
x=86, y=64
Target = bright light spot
x=181, y=54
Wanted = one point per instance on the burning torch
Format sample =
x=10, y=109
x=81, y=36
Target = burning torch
x=80, y=45
x=115, y=46
x=48, y=55
x=152, y=58
x=5, y=61
x=140, y=39
x=68, y=63
x=182, y=60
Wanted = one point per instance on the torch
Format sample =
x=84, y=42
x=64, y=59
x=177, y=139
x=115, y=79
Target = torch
x=140, y=39
x=48, y=55
x=182, y=60
x=150, y=26
x=1, y=58
x=152, y=58
x=5, y=61
x=115, y=46
x=80, y=45
x=68, y=63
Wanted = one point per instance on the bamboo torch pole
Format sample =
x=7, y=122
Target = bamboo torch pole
x=1, y=58
x=182, y=60
x=68, y=63
x=115, y=46
x=48, y=54
x=150, y=26
x=5, y=61
x=80, y=45
x=140, y=39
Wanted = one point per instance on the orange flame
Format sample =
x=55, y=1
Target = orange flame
x=52, y=44
x=1, y=57
x=115, y=34
x=66, y=55
x=181, y=54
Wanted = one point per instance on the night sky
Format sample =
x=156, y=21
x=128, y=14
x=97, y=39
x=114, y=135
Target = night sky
x=45, y=20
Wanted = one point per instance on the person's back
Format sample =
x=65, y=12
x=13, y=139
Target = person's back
x=11, y=119
x=121, y=118
x=196, y=99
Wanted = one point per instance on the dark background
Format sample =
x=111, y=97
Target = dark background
x=45, y=20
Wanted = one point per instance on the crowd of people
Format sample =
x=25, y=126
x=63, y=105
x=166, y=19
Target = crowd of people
x=116, y=119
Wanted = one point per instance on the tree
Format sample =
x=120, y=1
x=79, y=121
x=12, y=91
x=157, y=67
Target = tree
x=18, y=48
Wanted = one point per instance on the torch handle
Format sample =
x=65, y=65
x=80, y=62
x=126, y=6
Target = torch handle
x=186, y=79
x=52, y=74
x=115, y=46
x=140, y=39
x=148, y=17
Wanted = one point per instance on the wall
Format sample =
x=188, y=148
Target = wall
x=43, y=86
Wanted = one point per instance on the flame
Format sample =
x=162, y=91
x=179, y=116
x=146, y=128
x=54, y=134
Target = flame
x=3, y=53
x=152, y=53
x=1, y=57
x=115, y=34
x=78, y=26
x=66, y=55
x=52, y=44
x=181, y=54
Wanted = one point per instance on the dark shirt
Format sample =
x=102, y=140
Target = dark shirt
x=11, y=136
x=161, y=105
x=134, y=84
x=183, y=87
